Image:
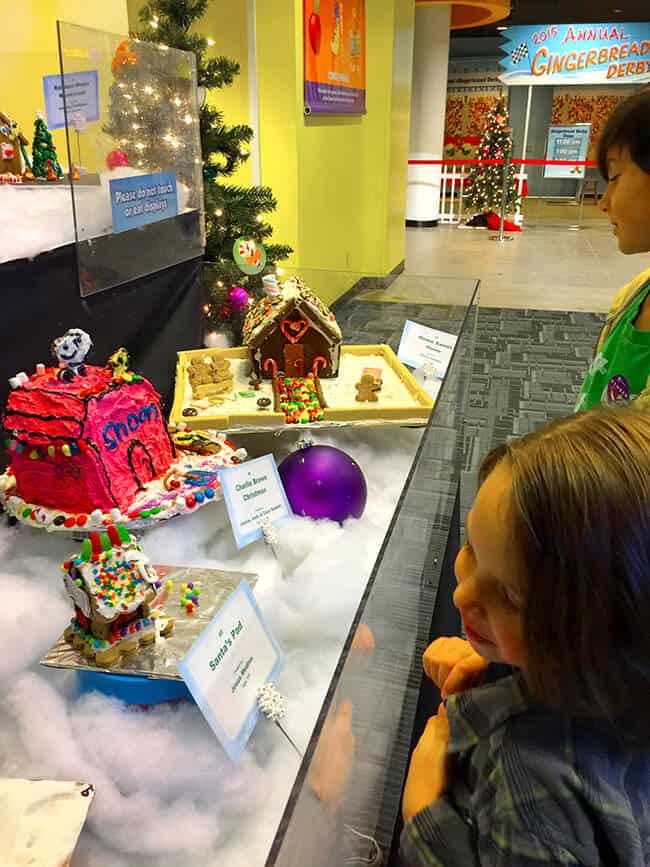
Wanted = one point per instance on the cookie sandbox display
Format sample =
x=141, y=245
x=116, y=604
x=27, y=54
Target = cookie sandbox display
x=294, y=370
x=89, y=447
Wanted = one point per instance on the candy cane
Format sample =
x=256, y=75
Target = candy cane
x=273, y=364
x=319, y=360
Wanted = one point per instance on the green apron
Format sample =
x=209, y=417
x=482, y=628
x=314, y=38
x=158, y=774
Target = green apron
x=621, y=370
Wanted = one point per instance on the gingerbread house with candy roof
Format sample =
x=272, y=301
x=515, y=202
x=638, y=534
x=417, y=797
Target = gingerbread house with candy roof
x=85, y=443
x=292, y=333
x=112, y=586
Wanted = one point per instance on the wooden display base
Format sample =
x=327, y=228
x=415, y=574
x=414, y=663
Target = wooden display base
x=242, y=412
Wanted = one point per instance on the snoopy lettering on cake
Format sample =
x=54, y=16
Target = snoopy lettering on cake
x=71, y=350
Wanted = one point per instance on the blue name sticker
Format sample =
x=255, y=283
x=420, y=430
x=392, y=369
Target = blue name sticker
x=142, y=199
x=81, y=97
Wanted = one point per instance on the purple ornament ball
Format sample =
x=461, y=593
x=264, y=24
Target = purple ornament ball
x=324, y=482
x=238, y=298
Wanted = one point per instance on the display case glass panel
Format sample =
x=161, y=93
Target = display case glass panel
x=132, y=119
x=346, y=798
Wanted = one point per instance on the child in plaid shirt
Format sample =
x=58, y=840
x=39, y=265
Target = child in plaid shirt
x=542, y=753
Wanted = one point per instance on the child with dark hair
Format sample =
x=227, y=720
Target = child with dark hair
x=547, y=761
x=620, y=370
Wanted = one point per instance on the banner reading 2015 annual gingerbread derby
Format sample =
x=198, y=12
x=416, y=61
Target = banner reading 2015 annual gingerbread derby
x=577, y=53
x=335, y=56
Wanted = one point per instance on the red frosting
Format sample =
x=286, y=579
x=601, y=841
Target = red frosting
x=86, y=444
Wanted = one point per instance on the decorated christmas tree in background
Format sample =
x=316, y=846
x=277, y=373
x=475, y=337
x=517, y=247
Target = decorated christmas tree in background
x=485, y=188
x=144, y=123
x=43, y=150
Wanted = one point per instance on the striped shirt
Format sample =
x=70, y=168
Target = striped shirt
x=530, y=788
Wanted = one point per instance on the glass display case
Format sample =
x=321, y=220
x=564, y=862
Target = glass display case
x=352, y=605
x=346, y=799
x=132, y=121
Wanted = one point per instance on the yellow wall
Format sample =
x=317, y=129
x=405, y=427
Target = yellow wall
x=340, y=181
x=226, y=22
x=30, y=51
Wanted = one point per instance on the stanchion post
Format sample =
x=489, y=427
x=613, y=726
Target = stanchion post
x=504, y=194
x=501, y=237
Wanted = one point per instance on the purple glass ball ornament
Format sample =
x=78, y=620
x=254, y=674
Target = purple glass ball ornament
x=324, y=482
x=238, y=298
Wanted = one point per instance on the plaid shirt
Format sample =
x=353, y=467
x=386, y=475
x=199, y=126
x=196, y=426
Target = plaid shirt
x=530, y=788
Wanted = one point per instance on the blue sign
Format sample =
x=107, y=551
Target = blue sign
x=142, y=199
x=568, y=143
x=577, y=54
x=81, y=98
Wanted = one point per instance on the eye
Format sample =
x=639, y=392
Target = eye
x=510, y=597
x=4, y=130
x=612, y=179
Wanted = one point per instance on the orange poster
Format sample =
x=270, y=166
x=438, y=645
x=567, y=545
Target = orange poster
x=335, y=56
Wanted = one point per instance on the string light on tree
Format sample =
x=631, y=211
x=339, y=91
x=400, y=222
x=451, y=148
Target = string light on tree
x=165, y=140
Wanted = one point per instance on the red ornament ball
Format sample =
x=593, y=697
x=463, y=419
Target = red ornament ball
x=117, y=158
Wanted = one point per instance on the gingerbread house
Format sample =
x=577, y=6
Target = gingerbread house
x=112, y=586
x=89, y=443
x=293, y=333
x=11, y=139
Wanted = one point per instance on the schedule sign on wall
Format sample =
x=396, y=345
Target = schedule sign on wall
x=335, y=56
x=567, y=142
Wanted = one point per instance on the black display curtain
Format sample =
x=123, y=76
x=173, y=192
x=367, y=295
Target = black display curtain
x=154, y=317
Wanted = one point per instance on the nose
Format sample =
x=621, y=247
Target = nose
x=603, y=203
x=465, y=595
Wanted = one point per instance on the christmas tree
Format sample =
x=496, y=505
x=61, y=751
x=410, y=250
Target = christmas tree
x=143, y=121
x=43, y=149
x=485, y=189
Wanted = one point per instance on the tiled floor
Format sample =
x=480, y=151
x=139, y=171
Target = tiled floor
x=546, y=267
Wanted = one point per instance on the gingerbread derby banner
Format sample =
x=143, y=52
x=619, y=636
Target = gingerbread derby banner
x=335, y=56
x=577, y=53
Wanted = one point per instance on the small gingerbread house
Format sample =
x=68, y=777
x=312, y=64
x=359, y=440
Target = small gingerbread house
x=89, y=443
x=111, y=584
x=11, y=139
x=292, y=333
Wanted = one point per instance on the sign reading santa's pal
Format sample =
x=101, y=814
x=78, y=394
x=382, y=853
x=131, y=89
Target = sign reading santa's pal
x=577, y=54
x=234, y=656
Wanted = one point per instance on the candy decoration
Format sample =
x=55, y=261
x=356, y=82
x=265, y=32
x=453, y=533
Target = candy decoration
x=324, y=482
x=189, y=598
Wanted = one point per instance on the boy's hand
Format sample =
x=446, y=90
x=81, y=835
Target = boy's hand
x=428, y=776
x=453, y=665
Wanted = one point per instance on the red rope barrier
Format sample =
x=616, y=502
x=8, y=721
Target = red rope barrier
x=589, y=163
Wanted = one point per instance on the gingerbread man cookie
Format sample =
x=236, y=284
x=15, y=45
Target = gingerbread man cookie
x=368, y=388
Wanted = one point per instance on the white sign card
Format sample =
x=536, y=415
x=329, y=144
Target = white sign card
x=254, y=494
x=422, y=346
x=233, y=657
x=81, y=97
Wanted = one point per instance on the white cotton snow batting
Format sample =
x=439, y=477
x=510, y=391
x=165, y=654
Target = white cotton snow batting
x=22, y=645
